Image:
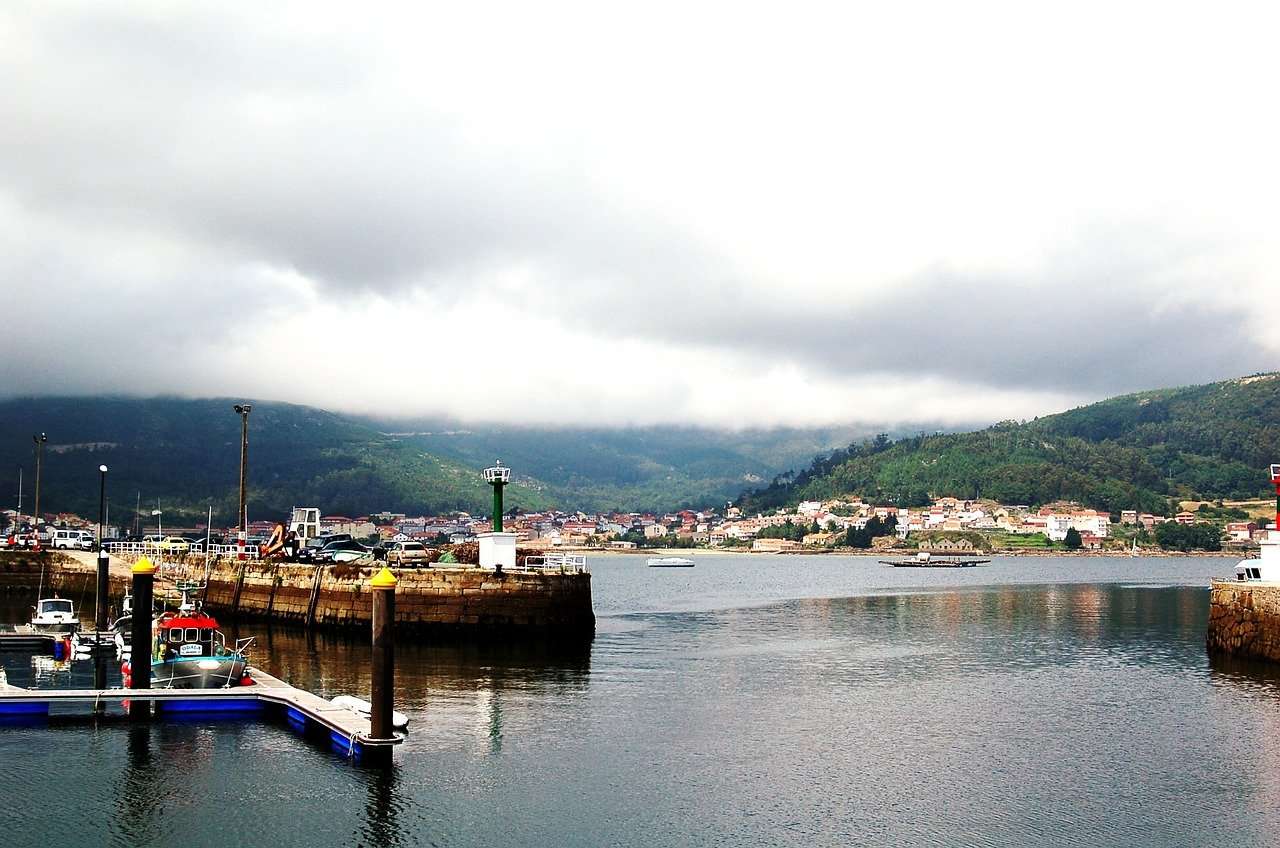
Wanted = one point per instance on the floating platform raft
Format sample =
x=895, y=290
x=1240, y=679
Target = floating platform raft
x=24, y=637
x=935, y=561
x=347, y=732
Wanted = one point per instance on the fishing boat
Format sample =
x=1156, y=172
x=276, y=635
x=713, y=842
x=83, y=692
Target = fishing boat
x=55, y=615
x=670, y=562
x=188, y=651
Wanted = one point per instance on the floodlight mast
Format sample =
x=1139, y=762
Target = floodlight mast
x=242, y=520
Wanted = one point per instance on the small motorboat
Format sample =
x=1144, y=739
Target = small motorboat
x=360, y=707
x=670, y=562
x=55, y=615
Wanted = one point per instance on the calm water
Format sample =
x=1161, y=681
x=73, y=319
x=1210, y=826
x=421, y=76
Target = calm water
x=748, y=701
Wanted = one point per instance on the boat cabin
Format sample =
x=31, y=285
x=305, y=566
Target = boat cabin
x=53, y=608
x=187, y=636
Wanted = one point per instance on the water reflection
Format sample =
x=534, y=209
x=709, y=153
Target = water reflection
x=1082, y=714
x=382, y=809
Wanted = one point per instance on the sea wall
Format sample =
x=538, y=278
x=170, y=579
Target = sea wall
x=1244, y=619
x=461, y=598
x=52, y=570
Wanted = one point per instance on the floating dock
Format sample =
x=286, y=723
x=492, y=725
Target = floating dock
x=348, y=733
x=24, y=637
x=934, y=562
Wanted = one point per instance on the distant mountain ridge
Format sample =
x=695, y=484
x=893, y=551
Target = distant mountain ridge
x=1131, y=452
x=185, y=453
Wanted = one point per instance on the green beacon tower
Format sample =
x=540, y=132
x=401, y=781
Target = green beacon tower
x=497, y=476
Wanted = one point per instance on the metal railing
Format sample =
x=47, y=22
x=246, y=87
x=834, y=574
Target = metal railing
x=561, y=563
x=161, y=550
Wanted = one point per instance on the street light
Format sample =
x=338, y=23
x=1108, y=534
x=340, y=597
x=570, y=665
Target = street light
x=100, y=599
x=242, y=520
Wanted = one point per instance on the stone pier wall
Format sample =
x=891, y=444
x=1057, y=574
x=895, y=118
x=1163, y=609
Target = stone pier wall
x=1244, y=619
x=426, y=598
x=20, y=569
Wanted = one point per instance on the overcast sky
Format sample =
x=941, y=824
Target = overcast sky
x=706, y=213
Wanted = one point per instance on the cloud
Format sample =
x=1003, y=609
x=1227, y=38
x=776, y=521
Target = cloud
x=708, y=214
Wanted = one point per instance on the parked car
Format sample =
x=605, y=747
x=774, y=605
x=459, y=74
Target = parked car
x=175, y=544
x=314, y=546
x=340, y=550
x=408, y=553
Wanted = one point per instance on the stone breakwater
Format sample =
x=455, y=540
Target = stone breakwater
x=1244, y=619
x=461, y=598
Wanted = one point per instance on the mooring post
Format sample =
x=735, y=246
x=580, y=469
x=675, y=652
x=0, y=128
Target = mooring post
x=384, y=657
x=144, y=576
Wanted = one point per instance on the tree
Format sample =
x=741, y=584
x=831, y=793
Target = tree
x=1073, y=540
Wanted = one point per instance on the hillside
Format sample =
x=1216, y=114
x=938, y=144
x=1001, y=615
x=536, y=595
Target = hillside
x=186, y=454
x=1135, y=451
x=636, y=468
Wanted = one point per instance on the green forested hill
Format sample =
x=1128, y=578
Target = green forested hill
x=1134, y=451
x=186, y=453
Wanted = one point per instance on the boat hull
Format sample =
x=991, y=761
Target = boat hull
x=198, y=672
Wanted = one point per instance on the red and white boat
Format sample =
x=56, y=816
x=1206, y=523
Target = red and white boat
x=188, y=651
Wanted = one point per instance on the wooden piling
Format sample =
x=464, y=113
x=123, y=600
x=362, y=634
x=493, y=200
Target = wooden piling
x=383, y=687
x=144, y=575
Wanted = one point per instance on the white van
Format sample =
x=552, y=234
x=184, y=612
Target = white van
x=64, y=539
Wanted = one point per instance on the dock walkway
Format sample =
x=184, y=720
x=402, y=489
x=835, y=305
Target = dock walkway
x=349, y=733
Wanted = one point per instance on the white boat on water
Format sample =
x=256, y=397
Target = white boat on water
x=361, y=707
x=670, y=562
x=55, y=615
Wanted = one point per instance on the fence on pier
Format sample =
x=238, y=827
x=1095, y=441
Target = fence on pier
x=161, y=550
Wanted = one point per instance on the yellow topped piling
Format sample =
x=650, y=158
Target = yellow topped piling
x=384, y=579
x=144, y=566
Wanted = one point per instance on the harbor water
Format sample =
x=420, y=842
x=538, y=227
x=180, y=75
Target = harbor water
x=750, y=700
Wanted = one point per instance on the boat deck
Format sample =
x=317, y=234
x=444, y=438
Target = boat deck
x=349, y=733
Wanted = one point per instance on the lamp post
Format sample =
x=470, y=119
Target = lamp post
x=497, y=476
x=243, y=410
x=100, y=603
x=40, y=442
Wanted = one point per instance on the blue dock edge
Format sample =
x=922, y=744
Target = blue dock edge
x=345, y=733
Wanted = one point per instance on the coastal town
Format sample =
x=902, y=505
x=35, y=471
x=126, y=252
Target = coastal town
x=947, y=524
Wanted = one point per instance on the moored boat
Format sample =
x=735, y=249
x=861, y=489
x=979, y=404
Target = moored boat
x=55, y=615
x=189, y=652
x=670, y=562
x=361, y=707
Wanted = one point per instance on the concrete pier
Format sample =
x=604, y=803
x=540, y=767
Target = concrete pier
x=1244, y=619
x=459, y=598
